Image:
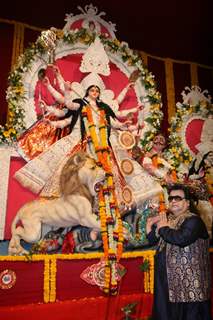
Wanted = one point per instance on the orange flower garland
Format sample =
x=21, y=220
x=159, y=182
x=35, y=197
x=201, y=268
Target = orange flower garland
x=111, y=223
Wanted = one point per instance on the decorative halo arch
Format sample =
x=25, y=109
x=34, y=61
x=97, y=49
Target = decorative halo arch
x=187, y=125
x=191, y=132
x=21, y=93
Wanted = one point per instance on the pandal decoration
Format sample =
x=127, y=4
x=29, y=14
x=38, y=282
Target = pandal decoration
x=126, y=140
x=196, y=104
x=111, y=223
x=7, y=279
x=127, y=166
x=48, y=40
x=95, y=274
x=16, y=92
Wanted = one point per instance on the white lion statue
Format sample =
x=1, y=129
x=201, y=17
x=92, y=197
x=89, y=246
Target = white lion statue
x=79, y=182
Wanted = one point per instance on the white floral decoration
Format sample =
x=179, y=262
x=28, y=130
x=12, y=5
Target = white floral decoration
x=195, y=105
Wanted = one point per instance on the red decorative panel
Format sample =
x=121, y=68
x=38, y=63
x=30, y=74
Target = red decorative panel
x=29, y=284
x=69, y=285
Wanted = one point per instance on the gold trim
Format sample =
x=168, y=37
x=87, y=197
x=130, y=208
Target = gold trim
x=170, y=88
x=14, y=45
x=144, y=57
x=194, y=74
x=18, y=42
x=25, y=25
x=21, y=44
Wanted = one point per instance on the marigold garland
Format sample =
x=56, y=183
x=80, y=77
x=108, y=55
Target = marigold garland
x=47, y=275
x=151, y=272
x=108, y=209
x=52, y=280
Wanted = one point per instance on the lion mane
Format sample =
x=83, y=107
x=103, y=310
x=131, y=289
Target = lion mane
x=70, y=182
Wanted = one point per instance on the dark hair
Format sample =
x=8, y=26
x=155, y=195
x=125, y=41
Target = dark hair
x=188, y=194
x=184, y=188
x=41, y=74
x=90, y=87
x=202, y=165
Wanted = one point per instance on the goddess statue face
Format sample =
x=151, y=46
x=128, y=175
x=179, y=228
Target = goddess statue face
x=93, y=92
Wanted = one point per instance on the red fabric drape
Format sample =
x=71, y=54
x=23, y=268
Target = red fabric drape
x=181, y=79
x=29, y=283
x=99, y=308
x=157, y=67
x=16, y=303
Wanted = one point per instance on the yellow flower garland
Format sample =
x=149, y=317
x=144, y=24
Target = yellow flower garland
x=53, y=271
x=108, y=210
x=46, y=279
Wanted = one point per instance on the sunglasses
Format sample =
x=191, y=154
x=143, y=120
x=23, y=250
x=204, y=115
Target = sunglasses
x=176, y=198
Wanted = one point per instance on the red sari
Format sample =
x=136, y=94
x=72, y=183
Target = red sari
x=39, y=137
